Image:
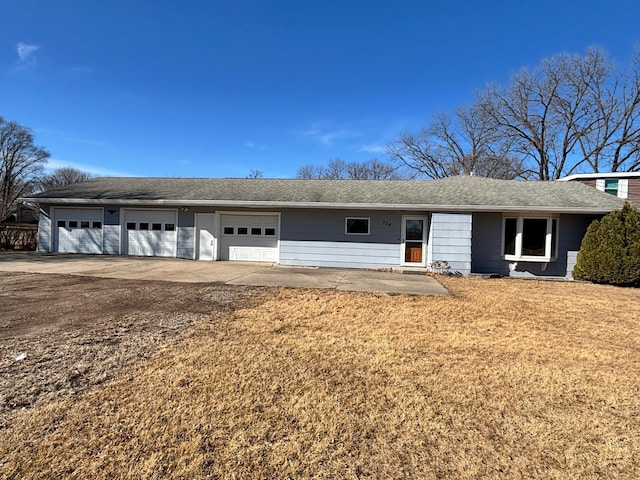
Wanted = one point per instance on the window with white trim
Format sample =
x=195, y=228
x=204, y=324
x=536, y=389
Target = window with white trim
x=531, y=239
x=356, y=226
x=614, y=186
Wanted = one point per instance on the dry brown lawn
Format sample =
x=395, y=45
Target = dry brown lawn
x=504, y=379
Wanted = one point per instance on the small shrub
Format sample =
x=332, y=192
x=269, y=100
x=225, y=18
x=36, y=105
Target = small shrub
x=610, y=250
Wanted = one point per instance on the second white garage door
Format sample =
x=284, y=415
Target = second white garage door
x=150, y=233
x=249, y=238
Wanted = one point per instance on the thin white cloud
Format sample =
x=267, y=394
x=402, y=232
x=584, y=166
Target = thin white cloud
x=55, y=163
x=373, y=148
x=71, y=138
x=255, y=146
x=26, y=51
x=26, y=57
x=328, y=136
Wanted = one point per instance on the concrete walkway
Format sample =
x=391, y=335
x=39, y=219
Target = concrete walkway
x=233, y=273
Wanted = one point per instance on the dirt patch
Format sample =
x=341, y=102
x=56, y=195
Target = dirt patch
x=62, y=334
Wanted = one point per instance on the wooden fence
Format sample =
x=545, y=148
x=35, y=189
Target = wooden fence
x=18, y=237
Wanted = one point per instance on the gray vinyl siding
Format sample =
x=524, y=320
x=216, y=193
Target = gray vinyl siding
x=185, y=242
x=45, y=239
x=111, y=231
x=450, y=241
x=329, y=226
x=487, y=244
x=339, y=254
x=318, y=238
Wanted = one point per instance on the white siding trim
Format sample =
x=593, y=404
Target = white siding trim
x=623, y=187
x=600, y=184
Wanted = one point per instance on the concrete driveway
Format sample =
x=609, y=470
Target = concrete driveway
x=233, y=273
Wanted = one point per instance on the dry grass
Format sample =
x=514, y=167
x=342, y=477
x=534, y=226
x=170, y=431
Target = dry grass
x=506, y=379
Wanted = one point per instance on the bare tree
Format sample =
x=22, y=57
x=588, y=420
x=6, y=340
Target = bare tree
x=338, y=169
x=310, y=172
x=21, y=164
x=253, y=173
x=465, y=145
x=612, y=143
x=379, y=170
x=63, y=176
x=569, y=114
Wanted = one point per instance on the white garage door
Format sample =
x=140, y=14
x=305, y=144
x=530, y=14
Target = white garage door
x=150, y=233
x=252, y=238
x=78, y=230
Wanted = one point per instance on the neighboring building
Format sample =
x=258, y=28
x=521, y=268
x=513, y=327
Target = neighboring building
x=625, y=185
x=475, y=224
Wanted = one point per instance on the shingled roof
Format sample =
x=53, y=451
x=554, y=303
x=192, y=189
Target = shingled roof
x=462, y=193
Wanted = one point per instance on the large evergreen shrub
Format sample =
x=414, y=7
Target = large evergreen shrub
x=610, y=250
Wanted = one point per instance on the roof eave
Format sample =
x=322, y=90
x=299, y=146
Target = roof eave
x=591, y=176
x=324, y=205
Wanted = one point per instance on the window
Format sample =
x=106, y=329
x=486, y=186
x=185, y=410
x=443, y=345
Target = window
x=97, y=224
x=533, y=239
x=144, y=226
x=618, y=187
x=611, y=186
x=131, y=226
x=73, y=224
x=228, y=230
x=62, y=224
x=242, y=230
x=84, y=224
x=156, y=226
x=510, y=231
x=256, y=231
x=169, y=227
x=270, y=232
x=356, y=226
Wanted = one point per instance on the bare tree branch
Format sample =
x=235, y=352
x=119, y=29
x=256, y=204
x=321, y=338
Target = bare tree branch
x=21, y=164
x=63, y=176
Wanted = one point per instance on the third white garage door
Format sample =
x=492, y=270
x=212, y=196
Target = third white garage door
x=150, y=233
x=249, y=238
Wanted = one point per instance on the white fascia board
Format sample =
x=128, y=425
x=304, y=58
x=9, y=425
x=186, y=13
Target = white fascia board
x=325, y=205
x=589, y=176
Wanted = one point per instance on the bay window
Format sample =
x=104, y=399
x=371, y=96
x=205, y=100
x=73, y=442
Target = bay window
x=531, y=239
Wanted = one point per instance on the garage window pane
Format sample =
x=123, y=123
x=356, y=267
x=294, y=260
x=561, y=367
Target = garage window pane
x=242, y=230
x=84, y=224
x=270, y=232
x=62, y=224
x=73, y=224
x=169, y=227
x=228, y=230
x=156, y=226
x=97, y=224
x=131, y=226
x=256, y=231
x=144, y=226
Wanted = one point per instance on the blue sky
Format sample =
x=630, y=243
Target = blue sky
x=220, y=88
